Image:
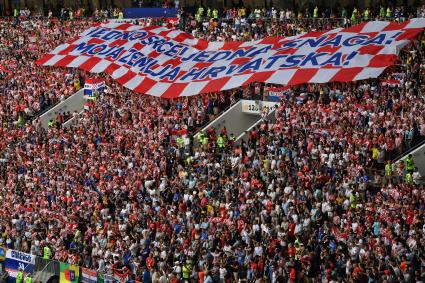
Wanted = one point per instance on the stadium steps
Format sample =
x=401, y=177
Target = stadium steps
x=71, y=104
x=42, y=276
x=239, y=118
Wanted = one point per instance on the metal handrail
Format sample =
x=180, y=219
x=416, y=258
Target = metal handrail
x=50, y=261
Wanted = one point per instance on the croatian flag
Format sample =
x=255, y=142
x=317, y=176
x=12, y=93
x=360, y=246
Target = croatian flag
x=92, y=85
x=88, y=275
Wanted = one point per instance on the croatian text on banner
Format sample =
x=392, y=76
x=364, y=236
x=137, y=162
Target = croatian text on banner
x=17, y=260
x=69, y=273
x=170, y=63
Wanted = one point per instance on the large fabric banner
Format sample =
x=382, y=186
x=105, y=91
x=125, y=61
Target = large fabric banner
x=17, y=260
x=171, y=63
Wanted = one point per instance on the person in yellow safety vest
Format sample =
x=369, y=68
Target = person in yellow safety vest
x=209, y=12
x=231, y=139
x=201, y=137
x=180, y=142
x=408, y=178
x=389, y=13
x=189, y=160
x=366, y=14
x=382, y=12
x=77, y=235
x=220, y=142
x=20, y=121
x=409, y=164
x=316, y=12
x=241, y=12
x=186, y=270
x=353, y=200
x=200, y=11
x=20, y=276
x=28, y=278
x=215, y=14
x=388, y=171
x=204, y=141
x=120, y=15
x=354, y=16
x=51, y=123
x=46, y=252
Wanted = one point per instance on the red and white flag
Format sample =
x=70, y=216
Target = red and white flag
x=169, y=63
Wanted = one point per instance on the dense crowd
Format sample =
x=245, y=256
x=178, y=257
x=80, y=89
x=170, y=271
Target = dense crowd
x=26, y=88
x=129, y=190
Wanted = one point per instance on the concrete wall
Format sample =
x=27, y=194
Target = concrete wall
x=73, y=103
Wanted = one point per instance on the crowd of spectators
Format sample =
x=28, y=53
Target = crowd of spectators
x=128, y=190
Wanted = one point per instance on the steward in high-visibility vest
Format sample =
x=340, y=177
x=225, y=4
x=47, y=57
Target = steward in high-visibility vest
x=366, y=14
x=51, y=123
x=409, y=164
x=231, y=139
x=382, y=12
x=20, y=121
x=389, y=13
x=209, y=12
x=186, y=270
x=388, y=169
x=205, y=141
x=20, y=276
x=353, y=200
x=180, y=142
x=200, y=11
x=408, y=178
x=215, y=14
x=28, y=279
x=316, y=12
x=189, y=160
x=201, y=136
x=46, y=252
x=354, y=16
x=220, y=141
x=77, y=235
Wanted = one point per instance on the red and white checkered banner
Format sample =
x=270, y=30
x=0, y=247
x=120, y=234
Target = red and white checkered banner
x=170, y=63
